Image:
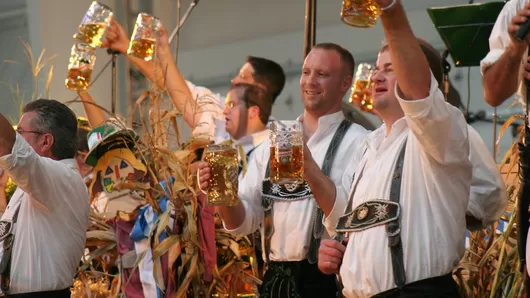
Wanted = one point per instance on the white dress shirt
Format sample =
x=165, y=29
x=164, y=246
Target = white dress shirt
x=434, y=196
x=487, y=199
x=499, y=40
x=293, y=221
x=50, y=232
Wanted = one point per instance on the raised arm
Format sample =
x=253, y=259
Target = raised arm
x=503, y=62
x=164, y=74
x=409, y=63
x=439, y=128
x=95, y=115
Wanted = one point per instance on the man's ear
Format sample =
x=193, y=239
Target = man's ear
x=253, y=111
x=47, y=142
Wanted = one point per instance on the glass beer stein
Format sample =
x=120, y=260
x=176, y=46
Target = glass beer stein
x=223, y=184
x=144, y=36
x=361, y=93
x=82, y=61
x=360, y=13
x=94, y=25
x=287, y=152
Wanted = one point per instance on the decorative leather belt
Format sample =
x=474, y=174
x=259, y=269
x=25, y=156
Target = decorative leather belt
x=368, y=215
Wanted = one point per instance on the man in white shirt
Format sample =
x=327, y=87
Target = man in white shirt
x=201, y=108
x=406, y=217
x=44, y=226
x=290, y=224
x=503, y=67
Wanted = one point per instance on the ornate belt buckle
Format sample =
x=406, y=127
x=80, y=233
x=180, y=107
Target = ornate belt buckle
x=368, y=215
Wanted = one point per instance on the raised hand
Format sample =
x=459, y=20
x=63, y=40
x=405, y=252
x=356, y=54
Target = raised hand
x=116, y=38
x=330, y=256
x=516, y=22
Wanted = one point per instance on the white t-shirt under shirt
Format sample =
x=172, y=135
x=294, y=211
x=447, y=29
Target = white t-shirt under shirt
x=50, y=232
x=435, y=191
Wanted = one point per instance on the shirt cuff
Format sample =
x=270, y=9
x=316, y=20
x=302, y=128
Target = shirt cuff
x=245, y=227
x=490, y=59
x=418, y=107
x=341, y=201
x=9, y=161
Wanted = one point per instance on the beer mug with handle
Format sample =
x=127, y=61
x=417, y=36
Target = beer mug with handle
x=80, y=66
x=223, y=184
x=94, y=25
x=361, y=93
x=287, y=152
x=360, y=13
x=144, y=36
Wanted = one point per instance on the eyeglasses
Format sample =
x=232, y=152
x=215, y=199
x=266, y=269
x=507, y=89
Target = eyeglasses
x=21, y=131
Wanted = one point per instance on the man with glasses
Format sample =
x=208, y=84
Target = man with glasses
x=43, y=231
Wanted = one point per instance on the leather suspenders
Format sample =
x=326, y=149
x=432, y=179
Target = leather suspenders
x=318, y=227
x=378, y=212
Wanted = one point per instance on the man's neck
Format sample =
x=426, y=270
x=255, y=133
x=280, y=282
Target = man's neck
x=389, y=119
x=254, y=128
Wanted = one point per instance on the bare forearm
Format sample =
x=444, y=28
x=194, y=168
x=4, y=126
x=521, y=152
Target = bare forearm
x=94, y=113
x=409, y=63
x=152, y=71
x=501, y=79
x=323, y=188
x=7, y=136
x=232, y=217
x=179, y=92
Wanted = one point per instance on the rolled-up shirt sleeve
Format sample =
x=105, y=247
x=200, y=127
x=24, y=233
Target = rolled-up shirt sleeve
x=439, y=127
x=32, y=173
x=343, y=191
x=210, y=106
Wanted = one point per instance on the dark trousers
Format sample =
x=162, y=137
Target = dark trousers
x=48, y=294
x=437, y=287
x=297, y=280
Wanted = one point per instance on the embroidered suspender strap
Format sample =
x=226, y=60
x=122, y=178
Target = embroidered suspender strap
x=7, y=229
x=318, y=228
x=377, y=212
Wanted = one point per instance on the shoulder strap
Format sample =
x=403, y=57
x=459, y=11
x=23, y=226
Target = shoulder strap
x=318, y=227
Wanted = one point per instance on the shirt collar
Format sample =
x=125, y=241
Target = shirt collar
x=326, y=120
x=376, y=137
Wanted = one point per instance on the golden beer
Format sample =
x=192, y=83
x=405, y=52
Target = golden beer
x=287, y=153
x=91, y=34
x=80, y=66
x=360, y=91
x=224, y=166
x=360, y=13
x=78, y=79
x=144, y=36
x=94, y=25
x=287, y=165
x=143, y=48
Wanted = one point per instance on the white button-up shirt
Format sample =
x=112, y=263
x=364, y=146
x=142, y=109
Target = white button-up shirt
x=293, y=221
x=434, y=196
x=499, y=40
x=50, y=232
x=487, y=199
